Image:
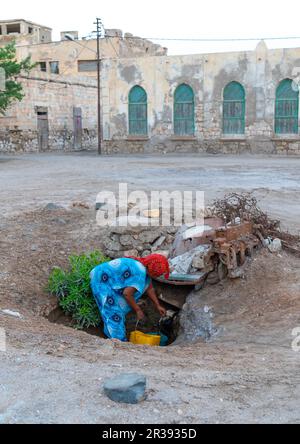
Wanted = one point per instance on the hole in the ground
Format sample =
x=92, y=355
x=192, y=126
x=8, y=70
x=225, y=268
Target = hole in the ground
x=57, y=316
x=168, y=328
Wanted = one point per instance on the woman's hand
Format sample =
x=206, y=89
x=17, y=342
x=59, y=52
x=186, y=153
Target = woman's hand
x=140, y=314
x=152, y=295
x=162, y=311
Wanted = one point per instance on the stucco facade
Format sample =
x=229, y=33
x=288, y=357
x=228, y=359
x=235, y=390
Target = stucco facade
x=79, y=57
x=259, y=72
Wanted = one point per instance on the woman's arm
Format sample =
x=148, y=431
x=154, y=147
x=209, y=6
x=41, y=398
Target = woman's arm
x=129, y=296
x=152, y=295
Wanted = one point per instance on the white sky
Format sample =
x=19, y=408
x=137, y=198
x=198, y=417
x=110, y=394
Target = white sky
x=170, y=19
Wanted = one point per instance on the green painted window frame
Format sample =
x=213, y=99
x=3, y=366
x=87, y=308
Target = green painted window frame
x=234, y=109
x=138, y=111
x=286, y=108
x=184, y=111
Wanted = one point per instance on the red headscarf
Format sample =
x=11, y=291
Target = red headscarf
x=156, y=264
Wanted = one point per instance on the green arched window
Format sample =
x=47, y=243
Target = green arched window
x=184, y=111
x=286, y=108
x=138, y=125
x=234, y=106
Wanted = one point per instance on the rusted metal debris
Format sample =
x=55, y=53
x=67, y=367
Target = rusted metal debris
x=224, y=248
x=220, y=247
x=245, y=206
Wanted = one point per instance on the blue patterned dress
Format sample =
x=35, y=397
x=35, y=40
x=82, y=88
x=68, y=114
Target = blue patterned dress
x=108, y=282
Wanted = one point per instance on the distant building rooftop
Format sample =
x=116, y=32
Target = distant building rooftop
x=24, y=30
x=4, y=22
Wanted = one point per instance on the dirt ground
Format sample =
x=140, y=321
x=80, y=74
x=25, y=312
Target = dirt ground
x=247, y=373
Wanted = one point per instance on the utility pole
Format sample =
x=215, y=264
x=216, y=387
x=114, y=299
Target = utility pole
x=99, y=25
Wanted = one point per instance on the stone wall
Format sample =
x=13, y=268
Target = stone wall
x=59, y=96
x=259, y=71
x=140, y=241
x=255, y=146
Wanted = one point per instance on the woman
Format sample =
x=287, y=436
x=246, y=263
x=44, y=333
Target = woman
x=118, y=285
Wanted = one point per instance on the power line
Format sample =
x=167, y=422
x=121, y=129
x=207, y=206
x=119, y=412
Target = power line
x=208, y=39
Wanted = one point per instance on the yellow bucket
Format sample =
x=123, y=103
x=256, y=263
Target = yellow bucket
x=139, y=338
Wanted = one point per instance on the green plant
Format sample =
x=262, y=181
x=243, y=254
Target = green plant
x=12, y=70
x=73, y=289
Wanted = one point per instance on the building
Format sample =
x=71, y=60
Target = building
x=57, y=113
x=59, y=110
x=234, y=102
x=24, y=32
x=76, y=57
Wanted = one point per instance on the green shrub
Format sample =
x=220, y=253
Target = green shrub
x=73, y=289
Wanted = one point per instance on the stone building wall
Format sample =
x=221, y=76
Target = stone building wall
x=19, y=129
x=259, y=71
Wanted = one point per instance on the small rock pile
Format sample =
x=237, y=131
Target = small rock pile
x=138, y=241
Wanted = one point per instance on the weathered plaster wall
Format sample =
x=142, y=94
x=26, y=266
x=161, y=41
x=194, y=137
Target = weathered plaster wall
x=68, y=53
x=259, y=71
x=19, y=128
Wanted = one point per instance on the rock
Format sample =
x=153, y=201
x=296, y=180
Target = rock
x=148, y=237
x=114, y=254
x=11, y=313
x=131, y=253
x=126, y=388
x=146, y=253
x=111, y=245
x=123, y=226
x=157, y=244
x=172, y=230
x=196, y=321
x=53, y=207
x=126, y=240
x=183, y=264
x=274, y=246
x=196, y=232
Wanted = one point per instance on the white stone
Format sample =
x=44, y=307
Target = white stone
x=11, y=313
x=196, y=232
x=275, y=246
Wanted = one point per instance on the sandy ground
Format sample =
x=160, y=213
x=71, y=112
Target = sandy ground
x=35, y=180
x=248, y=373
